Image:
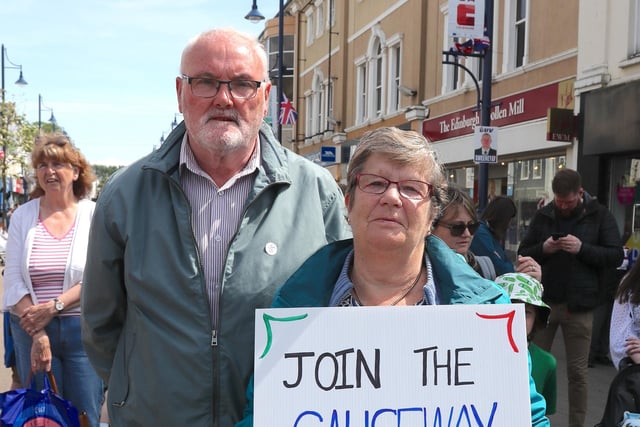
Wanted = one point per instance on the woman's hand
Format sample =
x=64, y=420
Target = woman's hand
x=40, y=352
x=36, y=317
x=529, y=266
x=633, y=349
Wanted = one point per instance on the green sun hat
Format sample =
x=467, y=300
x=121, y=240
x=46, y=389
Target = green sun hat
x=522, y=287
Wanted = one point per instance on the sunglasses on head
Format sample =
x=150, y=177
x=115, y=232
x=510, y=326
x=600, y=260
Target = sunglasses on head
x=458, y=228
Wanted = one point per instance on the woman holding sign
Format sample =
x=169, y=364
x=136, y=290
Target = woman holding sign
x=394, y=188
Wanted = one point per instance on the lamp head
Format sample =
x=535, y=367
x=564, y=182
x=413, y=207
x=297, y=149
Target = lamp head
x=254, y=15
x=21, y=81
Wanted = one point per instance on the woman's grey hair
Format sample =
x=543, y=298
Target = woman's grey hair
x=403, y=147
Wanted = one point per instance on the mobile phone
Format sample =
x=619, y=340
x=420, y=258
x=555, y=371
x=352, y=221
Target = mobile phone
x=556, y=236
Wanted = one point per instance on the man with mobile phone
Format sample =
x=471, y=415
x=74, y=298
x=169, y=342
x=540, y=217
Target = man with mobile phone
x=574, y=238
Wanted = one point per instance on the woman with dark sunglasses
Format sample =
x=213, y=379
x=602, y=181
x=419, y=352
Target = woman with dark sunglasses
x=456, y=224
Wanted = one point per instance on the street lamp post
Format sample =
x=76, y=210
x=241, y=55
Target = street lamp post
x=255, y=16
x=485, y=117
x=52, y=119
x=20, y=82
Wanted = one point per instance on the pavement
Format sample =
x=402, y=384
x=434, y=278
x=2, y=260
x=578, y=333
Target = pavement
x=600, y=376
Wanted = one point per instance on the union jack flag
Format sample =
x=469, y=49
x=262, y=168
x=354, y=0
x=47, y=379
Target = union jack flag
x=288, y=114
x=472, y=45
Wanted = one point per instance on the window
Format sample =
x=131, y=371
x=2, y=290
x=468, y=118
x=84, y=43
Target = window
x=377, y=73
x=450, y=73
x=524, y=169
x=309, y=14
x=537, y=168
x=361, y=93
x=330, y=118
x=331, y=17
x=317, y=108
x=308, y=121
x=448, y=77
x=634, y=28
x=516, y=34
x=319, y=18
x=394, y=74
x=521, y=31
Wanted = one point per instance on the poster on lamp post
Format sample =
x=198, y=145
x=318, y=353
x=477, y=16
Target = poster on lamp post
x=466, y=18
x=413, y=366
x=485, y=143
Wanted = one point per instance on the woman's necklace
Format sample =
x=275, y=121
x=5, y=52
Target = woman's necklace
x=397, y=300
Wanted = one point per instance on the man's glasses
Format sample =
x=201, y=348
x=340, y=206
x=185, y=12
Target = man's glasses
x=203, y=87
x=408, y=188
x=458, y=228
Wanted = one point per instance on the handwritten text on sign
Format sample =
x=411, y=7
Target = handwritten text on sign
x=460, y=365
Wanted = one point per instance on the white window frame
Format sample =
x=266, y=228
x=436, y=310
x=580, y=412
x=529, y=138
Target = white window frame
x=510, y=46
x=451, y=79
x=318, y=105
x=377, y=67
x=376, y=72
x=361, y=90
x=525, y=170
x=331, y=14
x=395, y=76
x=310, y=34
x=634, y=29
x=319, y=18
x=536, y=169
x=329, y=108
x=308, y=122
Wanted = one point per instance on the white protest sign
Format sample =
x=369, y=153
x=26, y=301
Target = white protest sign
x=436, y=366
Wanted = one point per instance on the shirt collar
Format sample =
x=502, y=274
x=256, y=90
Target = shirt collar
x=344, y=285
x=188, y=162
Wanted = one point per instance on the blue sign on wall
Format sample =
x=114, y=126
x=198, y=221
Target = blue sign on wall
x=328, y=154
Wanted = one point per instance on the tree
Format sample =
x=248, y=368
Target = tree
x=103, y=173
x=16, y=139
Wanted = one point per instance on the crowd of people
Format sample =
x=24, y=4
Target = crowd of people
x=150, y=292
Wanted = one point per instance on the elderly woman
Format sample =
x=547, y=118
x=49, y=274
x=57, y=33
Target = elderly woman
x=457, y=223
x=46, y=252
x=393, y=185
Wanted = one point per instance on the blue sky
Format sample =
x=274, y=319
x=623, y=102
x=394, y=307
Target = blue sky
x=107, y=68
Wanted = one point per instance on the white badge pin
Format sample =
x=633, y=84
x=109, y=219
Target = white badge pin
x=271, y=248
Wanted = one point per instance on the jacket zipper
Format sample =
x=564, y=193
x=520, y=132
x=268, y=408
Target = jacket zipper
x=214, y=331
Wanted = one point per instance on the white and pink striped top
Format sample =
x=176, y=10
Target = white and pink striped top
x=49, y=256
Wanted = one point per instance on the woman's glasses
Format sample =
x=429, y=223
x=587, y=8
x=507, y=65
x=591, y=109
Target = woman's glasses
x=458, y=228
x=408, y=188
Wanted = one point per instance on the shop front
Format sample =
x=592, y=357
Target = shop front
x=526, y=159
x=610, y=147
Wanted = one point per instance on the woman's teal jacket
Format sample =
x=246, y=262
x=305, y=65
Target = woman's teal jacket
x=457, y=283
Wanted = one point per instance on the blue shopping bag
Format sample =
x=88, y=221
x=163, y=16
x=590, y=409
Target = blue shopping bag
x=28, y=407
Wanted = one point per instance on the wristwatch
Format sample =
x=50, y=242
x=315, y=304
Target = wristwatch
x=59, y=305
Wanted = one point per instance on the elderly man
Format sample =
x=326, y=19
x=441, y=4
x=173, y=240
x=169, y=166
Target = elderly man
x=189, y=240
